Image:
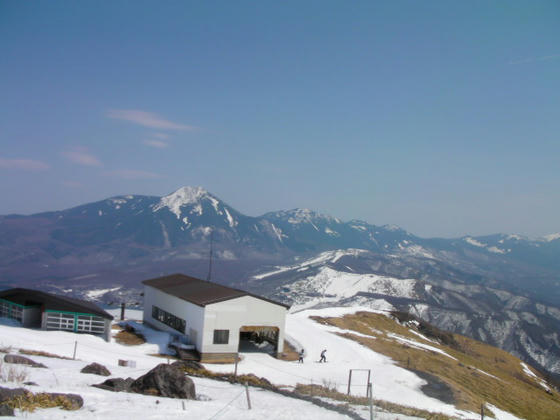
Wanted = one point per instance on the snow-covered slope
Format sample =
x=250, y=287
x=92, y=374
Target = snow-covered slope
x=391, y=382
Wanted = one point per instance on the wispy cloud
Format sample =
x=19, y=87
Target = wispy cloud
x=533, y=59
x=81, y=156
x=23, y=164
x=156, y=143
x=133, y=174
x=162, y=136
x=147, y=119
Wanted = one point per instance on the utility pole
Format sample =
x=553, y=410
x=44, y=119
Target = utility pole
x=211, y=252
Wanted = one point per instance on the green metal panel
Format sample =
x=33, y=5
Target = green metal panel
x=9, y=302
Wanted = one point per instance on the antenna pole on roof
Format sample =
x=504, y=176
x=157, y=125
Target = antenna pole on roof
x=210, y=261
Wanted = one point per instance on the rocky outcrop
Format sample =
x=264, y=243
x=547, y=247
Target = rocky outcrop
x=20, y=360
x=116, y=384
x=163, y=380
x=96, y=369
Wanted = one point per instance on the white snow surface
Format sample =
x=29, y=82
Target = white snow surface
x=322, y=258
x=182, y=197
x=94, y=294
x=221, y=400
x=501, y=414
x=474, y=242
x=530, y=373
x=496, y=250
x=390, y=382
x=421, y=346
x=551, y=237
x=332, y=284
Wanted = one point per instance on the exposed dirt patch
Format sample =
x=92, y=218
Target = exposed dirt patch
x=129, y=337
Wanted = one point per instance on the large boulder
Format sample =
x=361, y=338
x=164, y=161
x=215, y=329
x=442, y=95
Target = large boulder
x=96, y=369
x=165, y=381
x=9, y=393
x=116, y=384
x=6, y=411
x=20, y=360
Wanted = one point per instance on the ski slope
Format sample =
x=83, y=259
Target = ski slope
x=219, y=400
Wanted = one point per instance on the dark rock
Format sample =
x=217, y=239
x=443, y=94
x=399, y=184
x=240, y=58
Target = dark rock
x=20, y=360
x=96, y=369
x=6, y=411
x=9, y=393
x=165, y=381
x=116, y=384
x=76, y=401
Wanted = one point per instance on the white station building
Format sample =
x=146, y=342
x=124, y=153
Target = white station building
x=213, y=318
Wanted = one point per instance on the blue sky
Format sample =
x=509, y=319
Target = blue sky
x=440, y=117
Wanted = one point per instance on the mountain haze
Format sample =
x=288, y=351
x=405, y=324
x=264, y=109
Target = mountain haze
x=503, y=288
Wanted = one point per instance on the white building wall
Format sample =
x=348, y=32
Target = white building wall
x=235, y=313
x=192, y=314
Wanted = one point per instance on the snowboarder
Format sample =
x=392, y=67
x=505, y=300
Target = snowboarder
x=323, y=356
x=301, y=353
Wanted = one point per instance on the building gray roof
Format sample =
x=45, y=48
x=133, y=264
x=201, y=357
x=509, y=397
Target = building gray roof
x=48, y=301
x=198, y=291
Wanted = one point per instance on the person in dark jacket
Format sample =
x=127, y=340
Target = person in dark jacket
x=301, y=353
x=323, y=356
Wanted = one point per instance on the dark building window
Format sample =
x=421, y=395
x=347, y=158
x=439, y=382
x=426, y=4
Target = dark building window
x=169, y=319
x=221, y=336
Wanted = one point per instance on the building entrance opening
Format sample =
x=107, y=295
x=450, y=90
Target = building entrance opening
x=258, y=339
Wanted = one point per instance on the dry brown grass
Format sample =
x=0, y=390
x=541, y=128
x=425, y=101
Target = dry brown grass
x=43, y=353
x=12, y=373
x=510, y=389
x=315, y=390
x=30, y=402
x=129, y=337
x=250, y=379
x=289, y=354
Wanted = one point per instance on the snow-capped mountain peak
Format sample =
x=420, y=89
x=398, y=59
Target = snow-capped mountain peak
x=551, y=237
x=185, y=196
x=302, y=215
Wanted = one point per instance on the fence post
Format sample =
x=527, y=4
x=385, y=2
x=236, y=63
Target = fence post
x=349, y=380
x=75, y=347
x=482, y=411
x=236, y=360
x=370, y=391
x=247, y=393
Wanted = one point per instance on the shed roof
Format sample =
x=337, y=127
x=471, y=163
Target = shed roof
x=198, y=291
x=29, y=297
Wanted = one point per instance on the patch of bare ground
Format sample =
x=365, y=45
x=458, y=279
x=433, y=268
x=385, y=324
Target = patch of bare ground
x=289, y=354
x=42, y=353
x=331, y=393
x=129, y=337
x=475, y=373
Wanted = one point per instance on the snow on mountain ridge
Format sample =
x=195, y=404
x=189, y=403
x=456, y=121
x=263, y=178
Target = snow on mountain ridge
x=551, y=237
x=186, y=196
x=322, y=258
x=332, y=285
x=301, y=215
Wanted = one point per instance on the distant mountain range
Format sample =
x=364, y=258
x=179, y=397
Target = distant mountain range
x=117, y=242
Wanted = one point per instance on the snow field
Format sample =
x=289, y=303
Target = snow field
x=390, y=382
x=217, y=400
x=221, y=400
